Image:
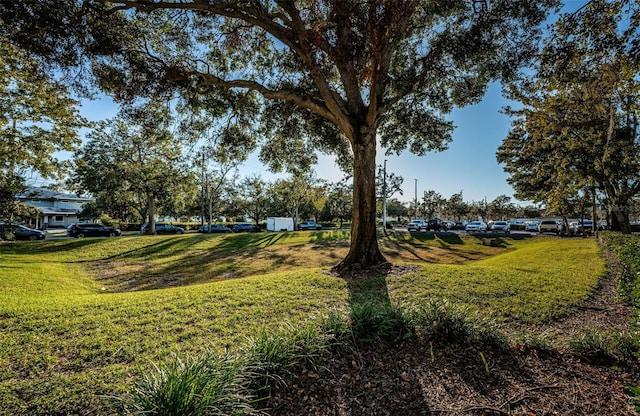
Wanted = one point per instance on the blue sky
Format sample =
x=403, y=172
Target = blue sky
x=469, y=164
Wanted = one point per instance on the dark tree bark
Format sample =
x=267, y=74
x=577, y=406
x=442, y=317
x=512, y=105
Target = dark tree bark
x=364, y=251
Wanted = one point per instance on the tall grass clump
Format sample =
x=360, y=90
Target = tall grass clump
x=627, y=248
x=443, y=321
x=273, y=355
x=373, y=321
x=605, y=346
x=211, y=385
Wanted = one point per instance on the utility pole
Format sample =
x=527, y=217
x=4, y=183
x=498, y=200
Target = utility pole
x=203, y=191
x=415, y=212
x=384, y=198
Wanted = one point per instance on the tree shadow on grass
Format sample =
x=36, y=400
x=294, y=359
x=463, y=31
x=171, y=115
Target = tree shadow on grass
x=49, y=246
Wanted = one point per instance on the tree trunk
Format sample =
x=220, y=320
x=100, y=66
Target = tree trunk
x=620, y=221
x=152, y=214
x=364, y=252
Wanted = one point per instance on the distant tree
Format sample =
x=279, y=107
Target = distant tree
x=501, y=208
x=135, y=160
x=577, y=128
x=340, y=201
x=396, y=209
x=393, y=183
x=294, y=192
x=529, y=211
x=456, y=208
x=432, y=203
x=255, y=197
x=340, y=74
x=217, y=175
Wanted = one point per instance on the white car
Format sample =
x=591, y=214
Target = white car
x=500, y=227
x=476, y=226
x=417, y=225
x=553, y=226
x=531, y=226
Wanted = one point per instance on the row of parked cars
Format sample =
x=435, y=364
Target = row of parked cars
x=542, y=226
x=437, y=224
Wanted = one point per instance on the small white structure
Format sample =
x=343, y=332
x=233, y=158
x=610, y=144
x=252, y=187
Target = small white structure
x=279, y=224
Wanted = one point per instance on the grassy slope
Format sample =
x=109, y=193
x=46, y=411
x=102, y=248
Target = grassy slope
x=66, y=343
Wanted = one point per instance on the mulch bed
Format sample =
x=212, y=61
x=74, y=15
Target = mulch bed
x=424, y=378
x=418, y=379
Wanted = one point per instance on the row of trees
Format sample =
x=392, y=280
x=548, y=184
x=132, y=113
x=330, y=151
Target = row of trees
x=575, y=136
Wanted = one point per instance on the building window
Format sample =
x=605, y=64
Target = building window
x=59, y=218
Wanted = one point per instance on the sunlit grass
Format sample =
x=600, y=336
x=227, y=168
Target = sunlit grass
x=76, y=325
x=541, y=279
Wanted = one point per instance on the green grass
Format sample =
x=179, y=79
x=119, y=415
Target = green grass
x=540, y=280
x=78, y=318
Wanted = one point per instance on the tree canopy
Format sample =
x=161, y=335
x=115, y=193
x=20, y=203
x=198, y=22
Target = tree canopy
x=576, y=132
x=327, y=75
x=135, y=161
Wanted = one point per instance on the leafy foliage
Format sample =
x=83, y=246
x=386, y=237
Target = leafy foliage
x=37, y=116
x=577, y=129
x=134, y=162
x=207, y=385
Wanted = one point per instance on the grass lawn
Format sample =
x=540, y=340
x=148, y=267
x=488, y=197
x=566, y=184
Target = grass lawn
x=78, y=318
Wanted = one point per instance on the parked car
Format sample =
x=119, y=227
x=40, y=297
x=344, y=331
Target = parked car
x=476, y=226
x=449, y=225
x=162, y=228
x=460, y=225
x=435, y=224
x=309, y=225
x=531, y=226
x=500, y=227
x=215, y=228
x=91, y=230
x=417, y=225
x=552, y=226
x=20, y=232
x=517, y=224
x=576, y=227
x=245, y=228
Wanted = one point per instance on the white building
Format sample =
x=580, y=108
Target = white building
x=57, y=209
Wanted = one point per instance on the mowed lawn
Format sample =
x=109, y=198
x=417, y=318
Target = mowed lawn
x=80, y=318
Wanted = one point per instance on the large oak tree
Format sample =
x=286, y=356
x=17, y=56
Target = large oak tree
x=343, y=75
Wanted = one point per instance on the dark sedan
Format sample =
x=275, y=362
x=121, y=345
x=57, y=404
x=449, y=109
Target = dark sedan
x=20, y=232
x=162, y=228
x=215, y=228
x=245, y=228
x=91, y=230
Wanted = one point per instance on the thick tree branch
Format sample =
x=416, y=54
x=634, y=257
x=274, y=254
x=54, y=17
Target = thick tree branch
x=302, y=101
x=333, y=101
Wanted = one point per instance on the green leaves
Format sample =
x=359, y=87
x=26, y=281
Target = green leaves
x=37, y=116
x=130, y=160
x=577, y=128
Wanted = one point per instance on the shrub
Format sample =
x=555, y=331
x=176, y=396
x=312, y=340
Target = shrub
x=209, y=385
x=443, y=321
x=273, y=355
x=107, y=221
x=373, y=321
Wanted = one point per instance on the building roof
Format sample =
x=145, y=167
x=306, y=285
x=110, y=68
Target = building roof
x=57, y=211
x=35, y=193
